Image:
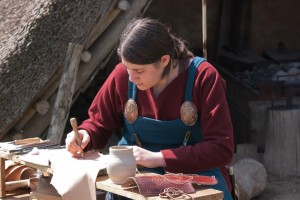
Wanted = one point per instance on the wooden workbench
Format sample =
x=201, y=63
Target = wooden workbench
x=104, y=183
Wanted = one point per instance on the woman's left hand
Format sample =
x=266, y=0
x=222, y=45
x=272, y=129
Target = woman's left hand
x=147, y=158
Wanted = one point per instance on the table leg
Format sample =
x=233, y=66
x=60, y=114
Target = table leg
x=2, y=178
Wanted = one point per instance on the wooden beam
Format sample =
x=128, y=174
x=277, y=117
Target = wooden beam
x=2, y=176
x=204, y=29
x=65, y=94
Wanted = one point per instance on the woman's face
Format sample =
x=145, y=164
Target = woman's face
x=144, y=76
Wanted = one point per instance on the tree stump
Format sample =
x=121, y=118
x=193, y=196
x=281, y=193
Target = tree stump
x=282, y=154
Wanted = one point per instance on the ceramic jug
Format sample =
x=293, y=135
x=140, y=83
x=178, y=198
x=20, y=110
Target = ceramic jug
x=121, y=164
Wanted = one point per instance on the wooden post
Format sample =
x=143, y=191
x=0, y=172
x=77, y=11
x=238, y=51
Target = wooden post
x=65, y=93
x=204, y=29
x=2, y=177
x=282, y=155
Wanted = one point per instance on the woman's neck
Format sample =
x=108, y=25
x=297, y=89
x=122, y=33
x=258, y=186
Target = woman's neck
x=164, y=82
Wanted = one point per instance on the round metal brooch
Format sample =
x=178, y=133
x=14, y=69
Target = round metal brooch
x=131, y=111
x=188, y=113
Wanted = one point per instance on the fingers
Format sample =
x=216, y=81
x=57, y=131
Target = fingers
x=148, y=158
x=139, y=154
x=85, y=138
x=72, y=145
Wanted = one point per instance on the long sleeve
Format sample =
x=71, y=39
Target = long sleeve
x=105, y=112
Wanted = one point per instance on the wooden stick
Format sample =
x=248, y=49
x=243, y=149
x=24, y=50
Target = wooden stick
x=28, y=141
x=74, y=125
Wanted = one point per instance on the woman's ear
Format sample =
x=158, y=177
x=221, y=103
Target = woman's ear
x=165, y=59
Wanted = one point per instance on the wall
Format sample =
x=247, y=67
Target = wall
x=274, y=21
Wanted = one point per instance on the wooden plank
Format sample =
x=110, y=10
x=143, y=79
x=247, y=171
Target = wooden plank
x=65, y=93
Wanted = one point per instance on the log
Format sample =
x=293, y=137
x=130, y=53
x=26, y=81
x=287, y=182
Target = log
x=65, y=93
x=42, y=107
x=86, y=56
x=282, y=154
x=251, y=178
x=124, y=5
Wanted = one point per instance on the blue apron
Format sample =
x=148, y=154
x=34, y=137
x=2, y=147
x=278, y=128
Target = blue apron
x=156, y=135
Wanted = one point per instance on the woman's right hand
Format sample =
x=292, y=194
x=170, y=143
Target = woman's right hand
x=71, y=144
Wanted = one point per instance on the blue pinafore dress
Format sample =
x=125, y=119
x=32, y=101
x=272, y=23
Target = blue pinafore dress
x=156, y=135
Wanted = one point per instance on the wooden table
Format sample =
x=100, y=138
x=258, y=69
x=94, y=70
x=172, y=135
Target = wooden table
x=104, y=183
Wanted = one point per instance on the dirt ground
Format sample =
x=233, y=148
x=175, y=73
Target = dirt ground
x=281, y=189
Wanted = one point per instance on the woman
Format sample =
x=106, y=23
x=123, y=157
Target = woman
x=170, y=105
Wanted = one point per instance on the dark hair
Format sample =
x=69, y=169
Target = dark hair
x=145, y=41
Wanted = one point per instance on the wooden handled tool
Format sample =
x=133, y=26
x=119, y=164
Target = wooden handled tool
x=12, y=185
x=74, y=125
x=28, y=141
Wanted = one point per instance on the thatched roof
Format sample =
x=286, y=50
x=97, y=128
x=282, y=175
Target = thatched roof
x=34, y=38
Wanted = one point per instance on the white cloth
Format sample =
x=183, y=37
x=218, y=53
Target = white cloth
x=75, y=178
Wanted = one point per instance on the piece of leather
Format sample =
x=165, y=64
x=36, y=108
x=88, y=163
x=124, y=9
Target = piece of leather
x=154, y=185
x=195, y=178
x=74, y=178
